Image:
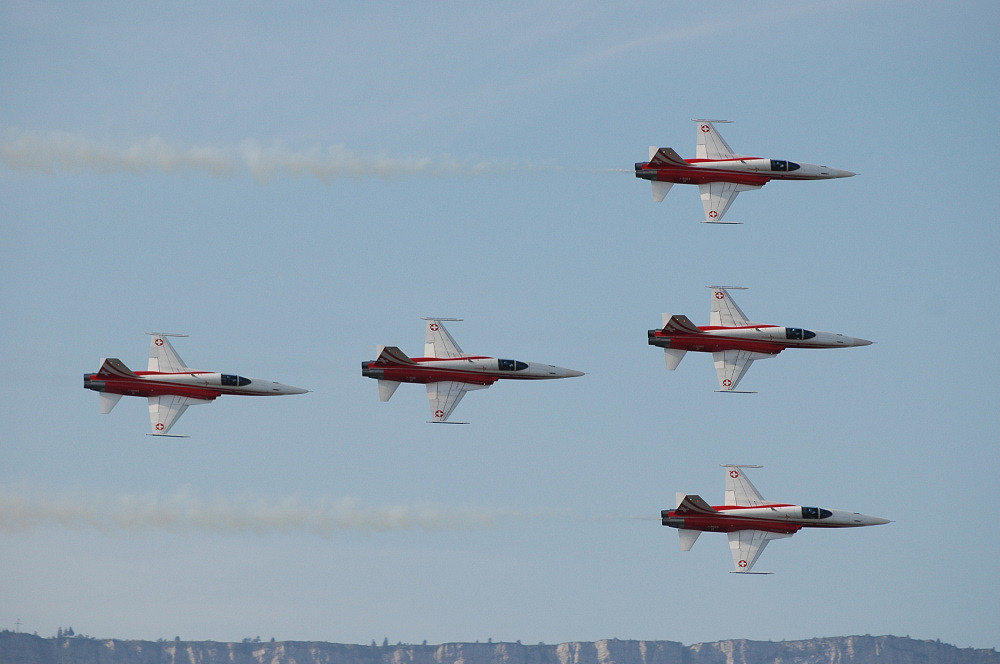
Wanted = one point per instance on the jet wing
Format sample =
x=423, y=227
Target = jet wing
x=437, y=342
x=710, y=144
x=730, y=365
x=739, y=490
x=725, y=312
x=162, y=356
x=747, y=545
x=716, y=197
x=165, y=410
x=445, y=395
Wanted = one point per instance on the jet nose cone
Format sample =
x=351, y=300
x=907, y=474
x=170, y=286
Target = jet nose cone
x=861, y=342
x=289, y=389
x=571, y=373
x=837, y=173
x=875, y=520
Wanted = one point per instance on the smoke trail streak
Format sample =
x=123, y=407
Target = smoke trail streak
x=61, y=151
x=185, y=511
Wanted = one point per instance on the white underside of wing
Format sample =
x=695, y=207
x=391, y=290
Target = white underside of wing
x=731, y=365
x=445, y=395
x=437, y=341
x=164, y=411
x=716, y=197
x=747, y=545
x=739, y=490
x=163, y=357
x=724, y=311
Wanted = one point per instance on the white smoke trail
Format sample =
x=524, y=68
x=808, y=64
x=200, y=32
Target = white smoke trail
x=185, y=511
x=60, y=151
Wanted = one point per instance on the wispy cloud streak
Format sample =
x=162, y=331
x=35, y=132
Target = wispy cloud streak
x=65, y=152
x=185, y=511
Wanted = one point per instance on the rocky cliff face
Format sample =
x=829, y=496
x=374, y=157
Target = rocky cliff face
x=28, y=649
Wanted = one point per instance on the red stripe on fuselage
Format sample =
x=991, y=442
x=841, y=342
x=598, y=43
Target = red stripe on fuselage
x=695, y=175
x=710, y=343
x=154, y=388
x=416, y=374
x=727, y=524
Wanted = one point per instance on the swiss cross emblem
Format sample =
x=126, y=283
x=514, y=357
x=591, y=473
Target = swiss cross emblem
x=733, y=474
x=727, y=383
x=742, y=563
x=434, y=327
x=719, y=295
x=713, y=214
x=438, y=413
x=159, y=426
x=706, y=128
x=158, y=342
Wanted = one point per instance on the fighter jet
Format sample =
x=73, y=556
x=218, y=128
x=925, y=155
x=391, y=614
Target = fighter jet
x=720, y=173
x=447, y=371
x=170, y=385
x=750, y=520
x=734, y=341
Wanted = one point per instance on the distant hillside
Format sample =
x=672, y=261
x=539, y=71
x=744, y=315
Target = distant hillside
x=18, y=648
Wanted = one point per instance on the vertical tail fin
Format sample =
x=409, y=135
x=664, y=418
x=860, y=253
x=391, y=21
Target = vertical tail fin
x=112, y=367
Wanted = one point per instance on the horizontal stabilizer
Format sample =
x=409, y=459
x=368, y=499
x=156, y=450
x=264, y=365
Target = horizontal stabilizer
x=688, y=538
x=679, y=323
x=693, y=504
x=109, y=401
x=386, y=388
x=392, y=355
x=660, y=190
x=673, y=357
x=112, y=367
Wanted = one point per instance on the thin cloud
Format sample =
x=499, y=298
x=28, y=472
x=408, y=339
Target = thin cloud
x=65, y=152
x=186, y=511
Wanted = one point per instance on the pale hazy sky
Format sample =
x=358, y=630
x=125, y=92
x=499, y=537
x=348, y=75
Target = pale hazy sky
x=292, y=185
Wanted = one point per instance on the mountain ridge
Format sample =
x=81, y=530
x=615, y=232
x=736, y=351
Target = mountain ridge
x=21, y=648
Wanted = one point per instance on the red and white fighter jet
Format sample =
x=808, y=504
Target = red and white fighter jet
x=720, y=173
x=734, y=341
x=751, y=521
x=170, y=385
x=448, y=372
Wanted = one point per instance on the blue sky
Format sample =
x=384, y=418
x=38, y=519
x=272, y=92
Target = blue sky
x=291, y=186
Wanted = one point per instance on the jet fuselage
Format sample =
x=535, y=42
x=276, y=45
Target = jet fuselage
x=774, y=518
x=752, y=171
x=193, y=384
x=475, y=369
x=770, y=339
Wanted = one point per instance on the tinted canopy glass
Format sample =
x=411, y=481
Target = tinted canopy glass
x=798, y=333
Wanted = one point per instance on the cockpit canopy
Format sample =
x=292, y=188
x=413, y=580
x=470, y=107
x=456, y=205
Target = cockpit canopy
x=512, y=365
x=234, y=381
x=815, y=513
x=798, y=333
x=782, y=165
